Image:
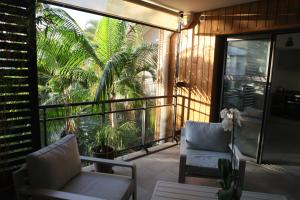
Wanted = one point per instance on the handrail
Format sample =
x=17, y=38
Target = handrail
x=102, y=113
x=192, y=99
x=101, y=102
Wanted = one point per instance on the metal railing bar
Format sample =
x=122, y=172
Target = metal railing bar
x=103, y=113
x=140, y=146
x=165, y=105
x=100, y=102
x=158, y=140
x=68, y=105
x=194, y=100
x=73, y=116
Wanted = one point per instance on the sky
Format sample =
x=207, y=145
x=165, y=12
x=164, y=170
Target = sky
x=81, y=17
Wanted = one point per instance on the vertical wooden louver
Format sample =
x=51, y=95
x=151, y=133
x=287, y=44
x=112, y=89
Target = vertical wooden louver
x=19, y=127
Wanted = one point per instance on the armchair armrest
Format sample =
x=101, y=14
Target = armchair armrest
x=108, y=162
x=182, y=162
x=183, y=146
x=112, y=163
x=53, y=194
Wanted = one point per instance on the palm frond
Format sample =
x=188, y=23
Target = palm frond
x=125, y=67
x=111, y=68
x=109, y=37
x=58, y=21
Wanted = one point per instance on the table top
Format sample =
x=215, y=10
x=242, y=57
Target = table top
x=168, y=190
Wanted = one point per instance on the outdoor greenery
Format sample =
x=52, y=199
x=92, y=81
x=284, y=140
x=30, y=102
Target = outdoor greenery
x=106, y=61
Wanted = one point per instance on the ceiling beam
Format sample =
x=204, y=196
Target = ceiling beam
x=155, y=6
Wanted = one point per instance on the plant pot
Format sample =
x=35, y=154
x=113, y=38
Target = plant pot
x=230, y=194
x=106, y=152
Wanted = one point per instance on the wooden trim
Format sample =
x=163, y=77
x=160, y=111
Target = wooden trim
x=19, y=120
x=217, y=78
x=36, y=137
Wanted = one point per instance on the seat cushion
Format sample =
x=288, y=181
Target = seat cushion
x=200, y=162
x=206, y=136
x=106, y=186
x=201, y=158
x=53, y=166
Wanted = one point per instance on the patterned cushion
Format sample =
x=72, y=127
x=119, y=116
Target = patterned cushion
x=53, y=166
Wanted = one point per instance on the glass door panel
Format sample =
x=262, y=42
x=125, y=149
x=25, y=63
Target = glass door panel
x=244, y=88
x=282, y=129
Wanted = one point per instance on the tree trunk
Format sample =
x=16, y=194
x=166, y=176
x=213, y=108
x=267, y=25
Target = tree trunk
x=113, y=116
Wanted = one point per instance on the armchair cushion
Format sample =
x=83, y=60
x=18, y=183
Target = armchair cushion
x=206, y=159
x=105, y=186
x=206, y=136
x=53, y=166
x=203, y=163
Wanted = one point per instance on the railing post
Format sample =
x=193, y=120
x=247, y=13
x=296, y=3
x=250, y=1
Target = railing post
x=182, y=111
x=174, y=118
x=45, y=127
x=177, y=65
x=103, y=111
x=144, y=124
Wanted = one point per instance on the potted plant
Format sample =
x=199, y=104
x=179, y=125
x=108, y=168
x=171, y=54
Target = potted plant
x=102, y=148
x=228, y=182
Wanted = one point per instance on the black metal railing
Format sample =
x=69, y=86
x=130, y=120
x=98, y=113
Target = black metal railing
x=63, y=112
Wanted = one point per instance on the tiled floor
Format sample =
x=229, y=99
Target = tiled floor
x=163, y=165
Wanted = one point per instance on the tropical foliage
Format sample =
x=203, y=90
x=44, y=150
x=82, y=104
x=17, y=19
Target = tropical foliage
x=108, y=60
x=116, y=60
x=125, y=58
x=63, y=54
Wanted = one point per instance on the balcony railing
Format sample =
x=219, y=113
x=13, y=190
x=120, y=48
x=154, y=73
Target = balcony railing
x=90, y=116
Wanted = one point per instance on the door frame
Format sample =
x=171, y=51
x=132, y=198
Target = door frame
x=262, y=37
x=219, y=68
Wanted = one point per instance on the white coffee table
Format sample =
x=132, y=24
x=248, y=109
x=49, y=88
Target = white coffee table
x=168, y=190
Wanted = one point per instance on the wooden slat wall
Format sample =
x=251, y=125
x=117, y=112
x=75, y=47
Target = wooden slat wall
x=19, y=124
x=198, y=48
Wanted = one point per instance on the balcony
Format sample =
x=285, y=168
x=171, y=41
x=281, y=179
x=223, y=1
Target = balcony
x=136, y=127
x=163, y=165
x=211, y=58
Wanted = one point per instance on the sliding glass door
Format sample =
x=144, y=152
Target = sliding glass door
x=282, y=121
x=244, y=87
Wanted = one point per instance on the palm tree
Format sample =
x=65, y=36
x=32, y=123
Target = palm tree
x=72, y=69
x=64, y=56
x=66, y=64
x=125, y=59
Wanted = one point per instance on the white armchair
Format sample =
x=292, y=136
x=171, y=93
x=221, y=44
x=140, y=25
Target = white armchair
x=55, y=172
